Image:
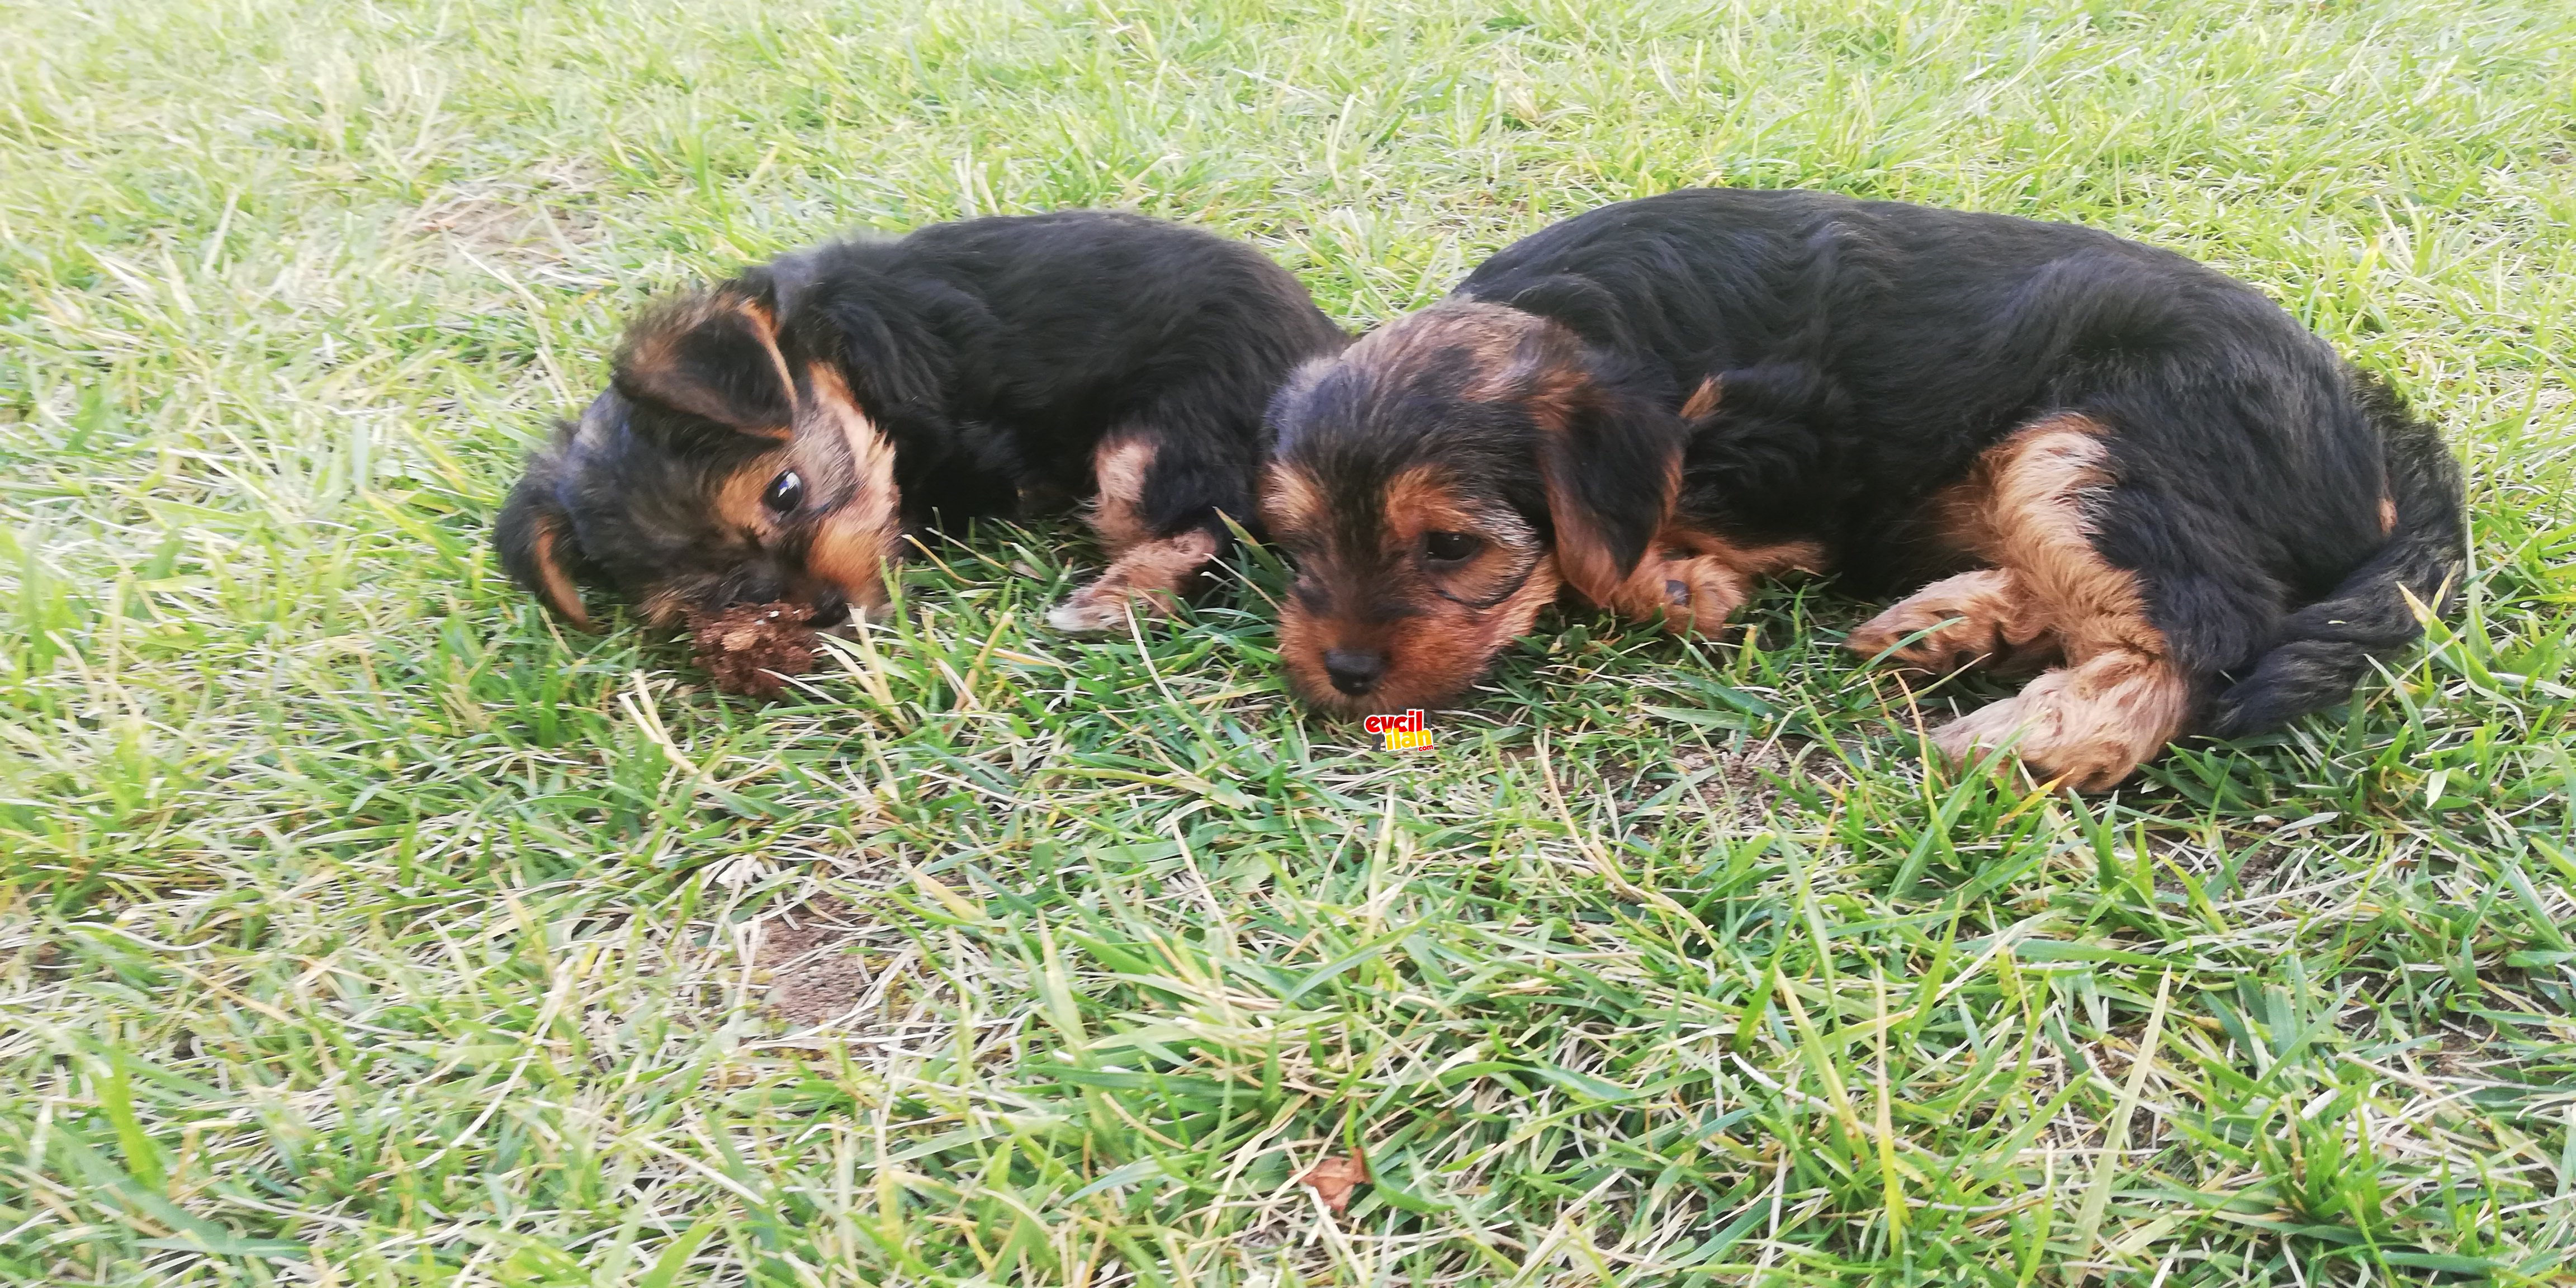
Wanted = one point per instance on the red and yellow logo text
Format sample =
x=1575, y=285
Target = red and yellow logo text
x=1403, y=733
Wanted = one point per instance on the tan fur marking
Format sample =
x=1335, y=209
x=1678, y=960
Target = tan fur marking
x=2119, y=699
x=2037, y=520
x=738, y=501
x=765, y=325
x=2387, y=515
x=666, y=604
x=1120, y=465
x=1434, y=661
x=1583, y=556
x=1490, y=333
x=853, y=545
x=560, y=591
x=1420, y=500
x=1703, y=400
x=1551, y=392
x=1146, y=573
x=2087, y=726
x=2021, y=507
x=1290, y=501
x=1512, y=356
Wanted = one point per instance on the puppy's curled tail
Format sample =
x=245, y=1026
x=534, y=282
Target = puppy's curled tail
x=2325, y=648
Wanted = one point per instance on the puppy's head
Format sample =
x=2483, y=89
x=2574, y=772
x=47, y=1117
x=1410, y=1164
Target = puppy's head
x=1437, y=482
x=719, y=467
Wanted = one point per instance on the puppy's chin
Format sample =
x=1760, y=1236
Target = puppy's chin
x=1432, y=660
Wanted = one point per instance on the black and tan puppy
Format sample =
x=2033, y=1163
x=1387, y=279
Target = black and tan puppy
x=774, y=439
x=2084, y=457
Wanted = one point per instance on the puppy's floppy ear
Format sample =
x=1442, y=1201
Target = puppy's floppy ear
x=535, y=540
x=1612, y=464
x=714, y=356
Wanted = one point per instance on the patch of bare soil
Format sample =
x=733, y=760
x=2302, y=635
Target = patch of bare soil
x=1743, y=789
x=812, y=959
x=538, y=220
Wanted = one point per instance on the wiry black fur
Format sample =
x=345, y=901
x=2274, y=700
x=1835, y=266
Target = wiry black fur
x=1869, y=351
x=997, y=352
x=994, y=353
x=2325, y=647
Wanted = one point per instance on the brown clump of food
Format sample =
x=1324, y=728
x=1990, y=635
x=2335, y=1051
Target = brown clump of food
x=752, y=648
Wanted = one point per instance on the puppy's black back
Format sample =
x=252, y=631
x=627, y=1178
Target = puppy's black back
x=1869, y=351
x=997, y=352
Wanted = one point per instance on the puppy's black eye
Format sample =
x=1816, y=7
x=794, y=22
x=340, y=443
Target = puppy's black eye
x=785, y=493
x=1450, y=547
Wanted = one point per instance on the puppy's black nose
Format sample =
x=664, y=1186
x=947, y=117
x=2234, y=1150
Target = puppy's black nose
x=831, y=608
x=1354, y=672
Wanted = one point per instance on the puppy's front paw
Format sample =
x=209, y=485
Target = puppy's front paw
x=1097, y=607
x=1973, y=619
x=1683, y=593
x=1702, y=594
x=1145, y=578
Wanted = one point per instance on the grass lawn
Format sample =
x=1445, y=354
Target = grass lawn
x=360, y=925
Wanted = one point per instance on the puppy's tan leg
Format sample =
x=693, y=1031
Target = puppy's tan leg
x=1984, y=618
x=1146, y=573
x=2087, y=726
x=2119, y=699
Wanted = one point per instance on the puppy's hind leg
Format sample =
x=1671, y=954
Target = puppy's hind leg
x=1153, y=561
x=2121, y=695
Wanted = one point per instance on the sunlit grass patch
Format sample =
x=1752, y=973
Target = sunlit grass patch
x=358, y=923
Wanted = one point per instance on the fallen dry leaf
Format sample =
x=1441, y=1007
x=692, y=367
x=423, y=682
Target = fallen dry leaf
x=1333, y=1179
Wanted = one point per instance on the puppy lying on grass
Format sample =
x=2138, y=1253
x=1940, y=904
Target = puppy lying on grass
x=765, y=446
x=2084, y=457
